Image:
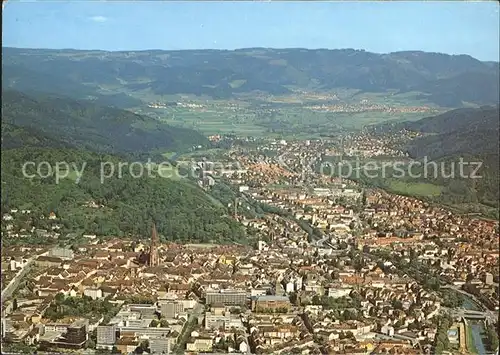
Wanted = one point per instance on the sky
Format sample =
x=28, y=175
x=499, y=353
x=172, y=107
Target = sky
x=453, y=27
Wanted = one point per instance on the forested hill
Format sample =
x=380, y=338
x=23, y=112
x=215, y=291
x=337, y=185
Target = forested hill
x=53, y=130
x=446, y=80
x=462, y=131
x=468, y=134
x=82, y=124
x=182, y=211
x=17, y=137
x=457, y=120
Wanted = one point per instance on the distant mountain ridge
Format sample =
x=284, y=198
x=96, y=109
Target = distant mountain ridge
x=447, y=80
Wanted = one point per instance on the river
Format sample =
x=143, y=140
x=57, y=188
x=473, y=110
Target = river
x=477, y=327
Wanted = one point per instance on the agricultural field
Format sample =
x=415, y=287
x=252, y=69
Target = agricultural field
x=410, y=98
x=414, y=188
x=286, y=120
x=297, y=115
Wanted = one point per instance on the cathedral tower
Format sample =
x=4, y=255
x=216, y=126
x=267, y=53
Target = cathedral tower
x=153, y=248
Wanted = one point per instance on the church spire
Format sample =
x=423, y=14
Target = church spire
x=153, y=251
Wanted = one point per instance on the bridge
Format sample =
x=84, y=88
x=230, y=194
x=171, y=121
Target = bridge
x=489, y=315
x=468, y=314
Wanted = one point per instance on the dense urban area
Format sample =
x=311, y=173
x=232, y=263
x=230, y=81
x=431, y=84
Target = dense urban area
x=333, y=267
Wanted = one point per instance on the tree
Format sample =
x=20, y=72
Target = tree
x=451, y=299
x=59, y=297
x=224, y=344
x=143, y=346
x=414, y=326
x=372, y=312
x=17, y=348
x=350, y=335
x=316, y=300
x=90, y=344
x=492, y=337
x=397, y=304
x=348, y=315
x=281, y=310
x=441, y=341
x=413, y=254
x=359, y=264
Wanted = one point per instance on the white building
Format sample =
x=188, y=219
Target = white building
x=339, y=292
x=93, y=293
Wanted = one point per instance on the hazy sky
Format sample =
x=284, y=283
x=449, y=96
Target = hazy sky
x=453, y=27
